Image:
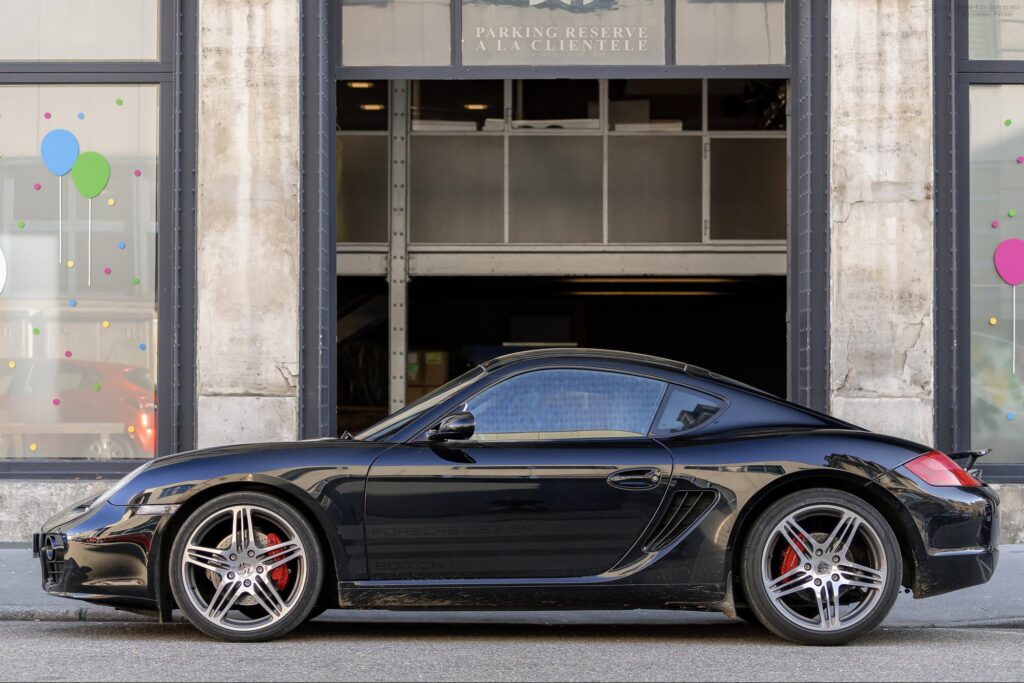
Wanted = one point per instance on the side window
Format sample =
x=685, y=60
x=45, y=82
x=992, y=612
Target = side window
x=566, y=404
x=684, y=410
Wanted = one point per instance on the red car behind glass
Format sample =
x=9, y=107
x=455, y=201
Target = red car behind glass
x=105, y=410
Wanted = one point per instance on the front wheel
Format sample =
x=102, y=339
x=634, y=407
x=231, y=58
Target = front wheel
x=246, y=567
x=821, y=567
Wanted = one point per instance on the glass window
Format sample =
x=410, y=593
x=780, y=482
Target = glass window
x=555, y=188
x=684, y=409
x=78, y=209
x=362, y=176
x=730, y=32
x=996, y=258
x=556, y=104
x=72, y=30
x=995, y=30
x=395, y=32
x=363, y=105
x=457, y=191
x=654, y=188
x=746, y=105
x=458, y=106
x=748, y=189
x=566, y=404
x=648, y=105
x=562, y=32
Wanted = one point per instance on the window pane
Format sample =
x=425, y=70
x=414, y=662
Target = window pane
x=995, y=30
x=556, y=104
x=363, y=105
x=457, y=191
x=559, y=32
x=730, y=32
x=566, y=404
x=555, y=189
x=746, y=105
x=997, y=392
x=395, y=32
x=685, y=410
x=72, y=30
x=654, y=189
x=458, y=105
x=362, y=195
x=654, y=105
x=748, y=189
x=80, y=359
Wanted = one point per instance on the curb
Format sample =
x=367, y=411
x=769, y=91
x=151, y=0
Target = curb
x=93, y=614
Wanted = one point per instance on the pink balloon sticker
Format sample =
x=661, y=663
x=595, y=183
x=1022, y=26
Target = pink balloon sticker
x=37, y=186
x=67, y=354
x=1009, y=261
x=1020, y=160
x=106, y=271
x=138, y=173
x=56, y=401
x=46, y=115
x=995, y=223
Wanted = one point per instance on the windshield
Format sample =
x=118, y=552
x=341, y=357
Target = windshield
x=394, y=423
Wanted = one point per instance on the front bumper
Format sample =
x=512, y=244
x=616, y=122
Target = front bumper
x=103, y=555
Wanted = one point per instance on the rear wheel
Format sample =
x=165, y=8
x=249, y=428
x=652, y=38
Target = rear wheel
x=246, y=566
x=821, y=567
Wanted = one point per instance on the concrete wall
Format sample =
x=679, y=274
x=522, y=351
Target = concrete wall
x=248, y=221
x=882, y=347
x=25, y=505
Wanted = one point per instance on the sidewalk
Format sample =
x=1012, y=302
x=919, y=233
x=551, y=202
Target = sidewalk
x=999, y=603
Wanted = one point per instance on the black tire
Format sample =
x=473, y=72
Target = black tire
x=305, y=602
x=753, y=563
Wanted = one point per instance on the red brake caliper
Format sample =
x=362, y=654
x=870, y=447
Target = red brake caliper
x=790, y=559
x=280, y=575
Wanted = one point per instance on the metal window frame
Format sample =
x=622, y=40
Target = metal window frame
x=175, y=74
x=955, y=73
x=807, y=257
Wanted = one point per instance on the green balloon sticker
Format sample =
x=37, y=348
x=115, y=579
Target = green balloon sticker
x=91, y=173
x=21, y=225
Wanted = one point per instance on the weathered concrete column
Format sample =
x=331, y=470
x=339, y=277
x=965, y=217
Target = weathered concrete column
x=882, y=244
x=248, y=221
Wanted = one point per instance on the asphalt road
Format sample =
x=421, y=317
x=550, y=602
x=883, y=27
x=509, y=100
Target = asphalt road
x=56, y=651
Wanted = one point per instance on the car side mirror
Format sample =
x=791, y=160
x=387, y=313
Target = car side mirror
x=455, y=427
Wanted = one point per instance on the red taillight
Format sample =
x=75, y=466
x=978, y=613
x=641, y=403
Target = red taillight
x=938, y=469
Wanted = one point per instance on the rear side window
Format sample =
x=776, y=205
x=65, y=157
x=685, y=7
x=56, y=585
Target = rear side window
x=685, y=409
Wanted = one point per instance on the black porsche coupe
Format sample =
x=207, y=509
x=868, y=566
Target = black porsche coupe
x=549, y=479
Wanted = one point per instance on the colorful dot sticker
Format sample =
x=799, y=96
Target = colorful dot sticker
x=135, y=280
x=12, y=365
x=993, y=320
x=142, y=347
x=131, y=429
x=67, y=354
x=106, y=271
x=1008, y=122
x=1010, y=416
x=21, y=225
x=138, y=172
x=71, y=263
x=1020, y=160
x=35, y=331
x=96, y=386
x=37, y=187
x=119, y=101
x=106, y=324
x=111, y=201
x=56, y=401
x=121, y=245
x=47, y=115
x=33, y=447
x=1011, y=213
x=81, y=116
x=995, y=223
x=72, y=302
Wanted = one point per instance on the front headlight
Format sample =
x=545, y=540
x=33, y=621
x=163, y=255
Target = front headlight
x=109, y=493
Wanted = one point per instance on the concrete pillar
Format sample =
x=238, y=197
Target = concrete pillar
x=881, y=327
x=248, y=221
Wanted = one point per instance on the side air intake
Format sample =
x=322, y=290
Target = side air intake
x=684, y=510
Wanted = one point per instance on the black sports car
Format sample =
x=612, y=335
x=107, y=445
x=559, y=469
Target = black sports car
x=542, y=480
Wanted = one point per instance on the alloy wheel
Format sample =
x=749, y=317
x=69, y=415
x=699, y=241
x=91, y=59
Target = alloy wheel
x=823, y=568
x=244, y=568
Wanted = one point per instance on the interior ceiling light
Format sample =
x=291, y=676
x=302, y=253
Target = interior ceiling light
x=372, y=107
x=475, y=107
x=360, y=85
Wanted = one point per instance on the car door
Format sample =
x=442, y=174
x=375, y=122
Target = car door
x=559, y=480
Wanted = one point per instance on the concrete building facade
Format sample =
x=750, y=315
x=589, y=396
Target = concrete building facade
x=253, y=267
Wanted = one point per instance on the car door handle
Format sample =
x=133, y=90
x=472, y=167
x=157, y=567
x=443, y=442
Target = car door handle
x=641, y=478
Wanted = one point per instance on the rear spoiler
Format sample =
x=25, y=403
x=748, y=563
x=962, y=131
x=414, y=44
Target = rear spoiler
x=966, y=459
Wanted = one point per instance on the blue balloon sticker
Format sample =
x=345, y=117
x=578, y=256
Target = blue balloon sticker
x=142, y=347
x=59, y=150
x=121, y=245
x=72, y=303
